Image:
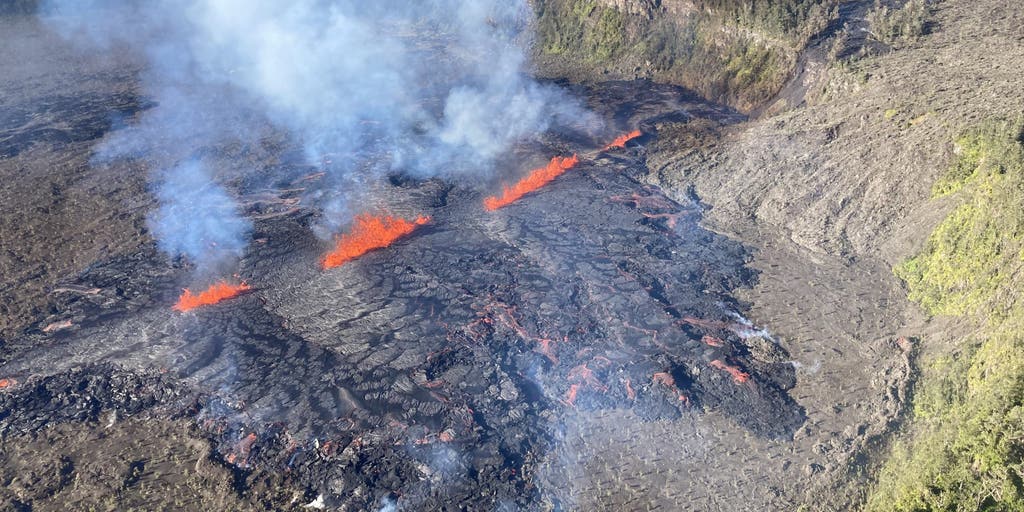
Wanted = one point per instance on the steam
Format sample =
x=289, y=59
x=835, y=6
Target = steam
x=197, y=218
x=429, y=88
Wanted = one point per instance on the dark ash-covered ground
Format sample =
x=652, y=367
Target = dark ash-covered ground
x=434, y=374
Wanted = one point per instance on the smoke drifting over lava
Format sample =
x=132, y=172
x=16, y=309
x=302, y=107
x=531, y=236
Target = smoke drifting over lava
x=197, y=217
x=427, y=88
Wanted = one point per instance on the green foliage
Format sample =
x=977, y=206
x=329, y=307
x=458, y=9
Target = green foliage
x=753, y=65
x=704, y=50
x=966, y=442
x=583, y=8
x=780, y=17
x=977, y=248
x=895, y=26
x=988, y=150
x=560, y=32
x=579, y=26
x=965, y=452
x=607, y=36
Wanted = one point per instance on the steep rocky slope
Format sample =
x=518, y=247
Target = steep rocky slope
x=739, y=53
x=842, y=189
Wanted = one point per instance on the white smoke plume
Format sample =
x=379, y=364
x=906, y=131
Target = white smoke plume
x=196, y=217
x=429, y=88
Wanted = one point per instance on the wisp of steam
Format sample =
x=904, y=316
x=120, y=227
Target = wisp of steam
x=428, y=88
x=196, y=217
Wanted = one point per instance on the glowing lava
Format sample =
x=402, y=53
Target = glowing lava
x=535, y=180
x=666, y=379
x=212, y=295
x=621, y=140
x=738, y=376
x=368, y=233
x=570, y=396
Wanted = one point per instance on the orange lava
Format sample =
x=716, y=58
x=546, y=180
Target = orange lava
x=368, y=233
x=7, y=383
x=584, y=374
x=621, y=140
x=212, y=295
x=664, y=379
x=738, y=376
x=711, y=341
x=535, y=180
x=570, y=397
x=240, y=454
x=629, y=389
x=546, y=347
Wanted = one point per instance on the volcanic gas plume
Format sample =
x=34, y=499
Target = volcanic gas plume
x=212, y=295
x=533, y=181
x=621, y=140
x=368, y=233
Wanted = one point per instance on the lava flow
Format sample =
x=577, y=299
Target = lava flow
x=621, y=140
x=535, y=180
x=212, y=295
x=368, y=233
x=738, y=376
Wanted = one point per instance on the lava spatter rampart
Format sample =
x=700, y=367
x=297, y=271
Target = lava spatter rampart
x=368, y=233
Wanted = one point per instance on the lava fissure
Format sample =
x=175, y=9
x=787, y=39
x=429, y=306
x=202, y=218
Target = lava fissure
x=738, y=376
x=621, y=140
x=368, y=233
x=533, y=181
x=215, y=293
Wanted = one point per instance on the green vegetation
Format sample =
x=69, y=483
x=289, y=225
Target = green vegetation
x=896, y=26
x=751, y=66
x=606, y=37
x=792, y=18
x=990, y=150
x=731, y=51
x=977, y=248
x=965, y=444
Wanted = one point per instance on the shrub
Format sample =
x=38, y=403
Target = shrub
x=896, y=26
x=965, y=445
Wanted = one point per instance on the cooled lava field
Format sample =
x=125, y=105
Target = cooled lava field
x=433, y=373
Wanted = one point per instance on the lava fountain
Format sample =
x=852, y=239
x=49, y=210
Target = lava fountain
x=621, y=140
x=368, y=233
x=533, y=181
x=212, y=295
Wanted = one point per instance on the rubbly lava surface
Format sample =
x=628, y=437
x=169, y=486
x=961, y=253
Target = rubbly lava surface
x=435, y=372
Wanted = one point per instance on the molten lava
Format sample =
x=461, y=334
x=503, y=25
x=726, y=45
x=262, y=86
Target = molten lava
x=621, y=140
x=212, y=295
x=533, y=181
x=712, y=341
x=368, y=233
x=570, y=396
x=738, y=376
x=666, y=379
